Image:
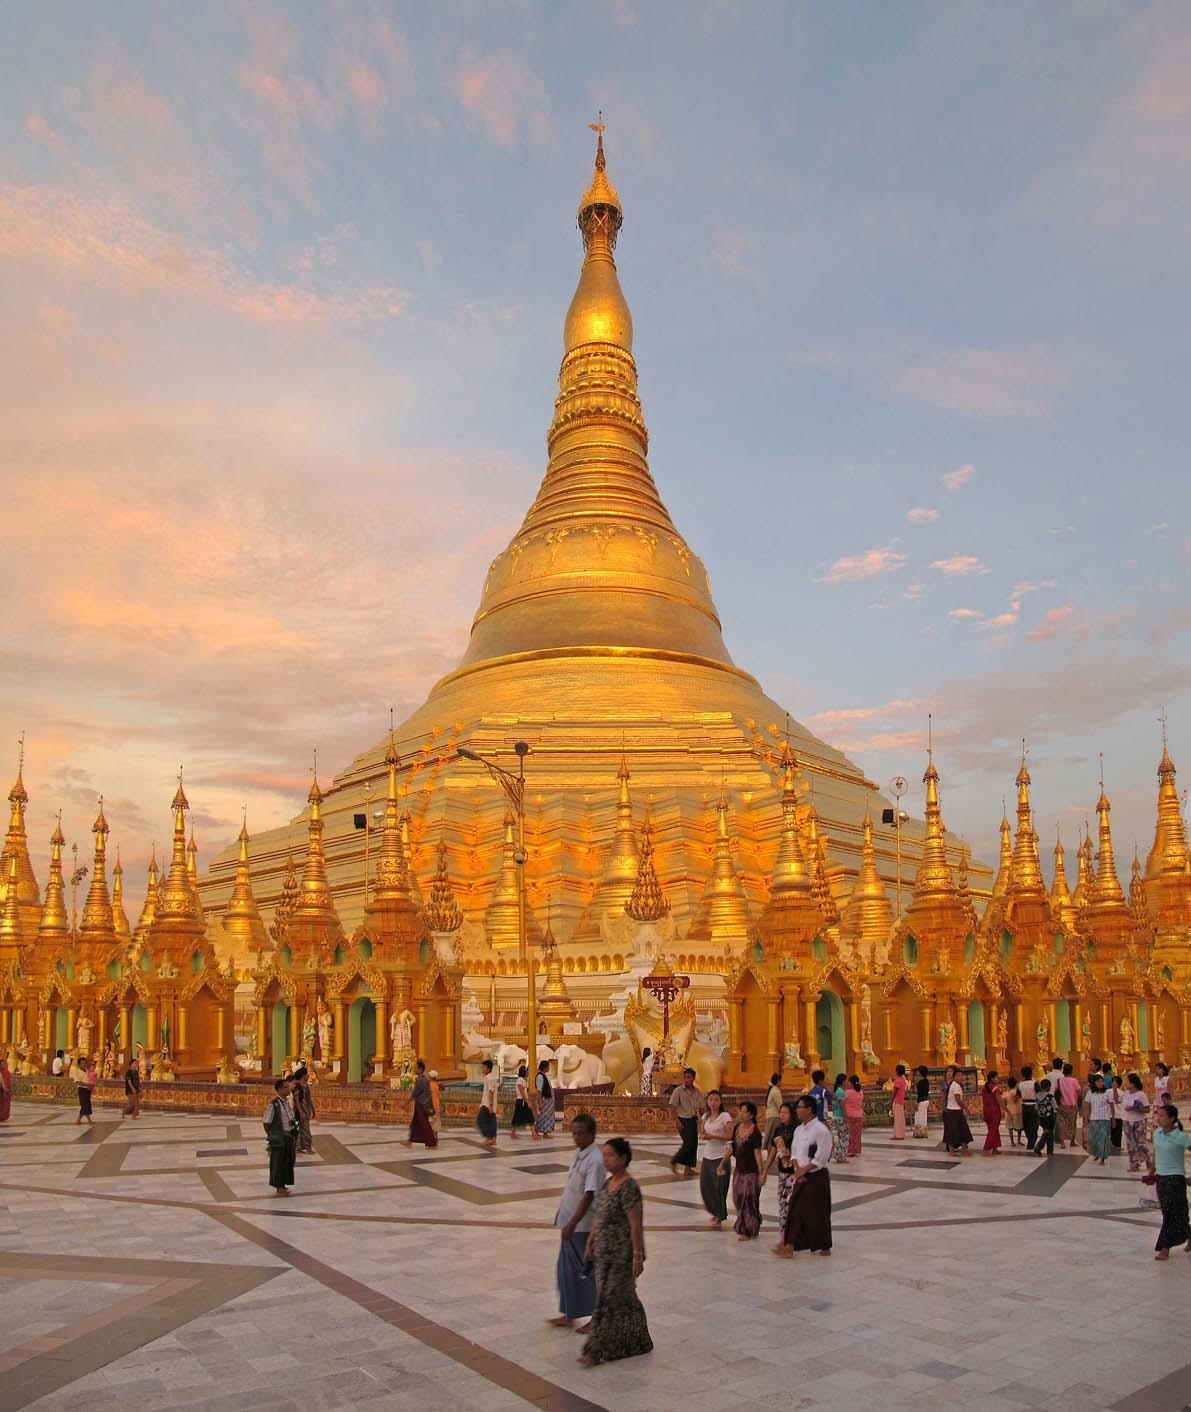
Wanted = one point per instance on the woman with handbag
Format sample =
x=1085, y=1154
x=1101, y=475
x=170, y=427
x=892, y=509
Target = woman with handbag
x=749, y=1176
x=1135, y=1108
x=1168, y=1172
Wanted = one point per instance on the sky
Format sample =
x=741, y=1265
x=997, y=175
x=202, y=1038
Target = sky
x=283, y=290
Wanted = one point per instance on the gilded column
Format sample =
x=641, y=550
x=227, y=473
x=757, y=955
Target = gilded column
x=925, y=1009
x=220, y=1028
x=1106, y=1026
x=853, y=1034
x=183, y=1027
x=1076, y=1029
x=772, y=1035
x=1134, y=1016
x=735, y=1034
x=887, y=1024
x=420, y=1035
x=151, y=1036
x=1019, y=1027
x=295, y=1029
x=125, y=1046
x=337, y=1042
x=382, y=1029
x=1052, y=1028
x=965, y=1048
x=810, y=1034
x=262, y=1038
x=72, y=1020
x=102, y=1042
x=5, y=1026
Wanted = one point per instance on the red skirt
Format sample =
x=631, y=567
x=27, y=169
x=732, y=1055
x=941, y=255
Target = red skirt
x=420, y=1129
x=808, y=1216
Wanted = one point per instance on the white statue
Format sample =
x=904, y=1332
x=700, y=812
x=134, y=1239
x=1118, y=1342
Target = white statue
x=401, y=1033
x=471, y=1014
x=326, y=1023
x=83, y=1036
x=579, y=1069
x=1127, y=1038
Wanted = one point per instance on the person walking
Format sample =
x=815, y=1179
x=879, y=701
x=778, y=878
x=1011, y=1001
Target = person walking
x=748, y=1176
x=991, y=1104
x=1013, y=1110
x=1116, y=1094
x=1161, y=1084
x=616, y=1249
x=522, y=1112
x=303, y=1102
x=808, y=1215
x=922, y=1102
x=819, y=1094
x=898, y=1103
x=686, y=1103
x=647, y=1057
x=132, y=1090
x=58, y=1067
x=1068, y=1101
x=854, y=1115
x=585, y=1179
x=1047, y=1119
x=544, y=1119
x=87, y=1081
x=834, y=1120
x=281, y=1138
x=716, y=1127
x=1097, y=1113
x=486, y=1117
x=957, y=1136
x=779, y=1156
x=1168, y=1171
x=1029, y=1104
x=5, y=1089
x=1135, y=1110
x=421, y=1129
x=773, y=1105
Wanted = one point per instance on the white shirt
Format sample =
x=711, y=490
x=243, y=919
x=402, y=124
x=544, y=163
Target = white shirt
x=57, y=1066
x=647, y=1066
x=807, y=1135
x=1100, y=1107
x=773, y=1101
x=1027, y=1090
x=491, y=1089
x=1135, y=1106
x=717, y=1135
x=587, y=1174
x=955, y=1095
x=522, y=1088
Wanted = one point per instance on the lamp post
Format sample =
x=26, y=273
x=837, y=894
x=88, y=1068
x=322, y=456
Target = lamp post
x=513, y=786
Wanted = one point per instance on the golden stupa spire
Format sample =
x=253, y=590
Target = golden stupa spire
x=119, y=916
x=1108, y=892
x=816, y=851
x=1004, y=875
x=648, y=902
x=241, y=920
x=149, y=910
x=443, y=913
x=1025, y=879
x=1085, y=877
x=1168, y=866
x=175, y=898
x=868, y=913
x=314, y=894
x=723, y=914
x=286, y=903
x=192, y=872
x=619, y=873
x=597, y=536
x=790, y=870
x=501, y=914
x=97, y=926
x=934, y=878
x=792, y=916
x=10, y=913
x=55, y=920
x=392, y=869
x=1062, y=904
x=16, y=845
x=1138, y=902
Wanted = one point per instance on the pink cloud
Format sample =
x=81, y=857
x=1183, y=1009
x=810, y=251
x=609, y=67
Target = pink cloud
x=922, y=515
x=1054, y=622
x=959, y=564
x=963, y=613
x=853, y=567
x=956, y=479
x=502, y=96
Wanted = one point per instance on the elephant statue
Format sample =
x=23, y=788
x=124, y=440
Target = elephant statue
x=577, y=1068
x=508, y=1058
x=624, y=1067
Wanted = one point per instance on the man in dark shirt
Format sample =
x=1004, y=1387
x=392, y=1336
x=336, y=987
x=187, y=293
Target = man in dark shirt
x=132, y=1090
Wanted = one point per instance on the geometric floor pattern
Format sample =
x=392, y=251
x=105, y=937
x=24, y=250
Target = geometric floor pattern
x=145, y=1265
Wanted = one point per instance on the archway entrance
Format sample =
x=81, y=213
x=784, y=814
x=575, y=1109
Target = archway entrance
x=830, y=1038
x=278, y=1036
x=361, y=1037
x=976, y=1036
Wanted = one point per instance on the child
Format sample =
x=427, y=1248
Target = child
x=1013, y=1110
x=1047, y=1117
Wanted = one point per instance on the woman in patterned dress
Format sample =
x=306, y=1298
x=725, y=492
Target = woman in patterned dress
x=779, y=1154
x=544, y=1123
x=616, y=1248
x=833, y=1118
x=749, y=1175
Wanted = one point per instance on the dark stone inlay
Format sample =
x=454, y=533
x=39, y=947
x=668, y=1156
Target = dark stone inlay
x=230, y=1151
x=548, y=1169
x=1050, y=1175
x=8, y=1132
x=945, y=1371
x=924, y=1164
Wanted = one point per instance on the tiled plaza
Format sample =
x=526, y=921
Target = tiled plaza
x=145, y=1264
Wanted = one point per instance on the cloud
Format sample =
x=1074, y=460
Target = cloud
x=956, y=479
x=1021, y=381
x=97, y=240
x=959, y=564
x=1020, y=590
x=503, y=98
x=1054, y=622
x=737, y=254
x=853, y=567
x=922, y=515
x=851, y=715
x=1062, y=529
x=963, y=613
x=914, y=591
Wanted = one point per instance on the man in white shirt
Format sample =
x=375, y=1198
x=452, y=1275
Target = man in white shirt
x=808, y=1217
x=576, y=1283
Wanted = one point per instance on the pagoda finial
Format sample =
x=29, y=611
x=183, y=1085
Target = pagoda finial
x=648, y=902
x=1026, y=874
x=55, y=920
x=443, y=913
x=241, y=918
x=1108, y=890
x=97, y=923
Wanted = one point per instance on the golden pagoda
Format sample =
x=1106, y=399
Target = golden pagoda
x=16, y=849
x=119, y=916
x=97, y=939
x=868, y=914
x=597, y=642
x=1062, y=904
x=241, y=921
x=149, y=908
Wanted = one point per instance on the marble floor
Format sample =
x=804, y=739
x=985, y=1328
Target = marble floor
x=145, y=1264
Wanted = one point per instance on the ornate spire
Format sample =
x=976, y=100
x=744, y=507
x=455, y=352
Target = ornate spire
x=314, y=896
x=868, y=912
x=963, y=885
x=1138, y=903
x=648, y=902
x=1005, y=864
x=177, y=927
x=16, y=845
x=1026, y=871
x=1108, y=892
x=790, y=871
x=1168, y=865
x=407, y=853
x=555, y=1006
x=501, y=915
x=55, y=920
x=10, y=914
x=286, y=903
x=597, y=537
x=119, y=916
x=1062, y=904
x=936, y=916
x=149, y=910
x=392, y=869
x=192, y=873
x=1085, y=878
x=444, y=913
x=934, y=878
x=241, y=919
x=816, y=847
x=619, y=873
x=97, y=926
x=723, y=915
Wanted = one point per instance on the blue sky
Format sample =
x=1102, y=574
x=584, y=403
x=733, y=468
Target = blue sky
x=910, y=290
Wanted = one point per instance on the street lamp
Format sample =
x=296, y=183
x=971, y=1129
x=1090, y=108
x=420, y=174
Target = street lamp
x=513, y=786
